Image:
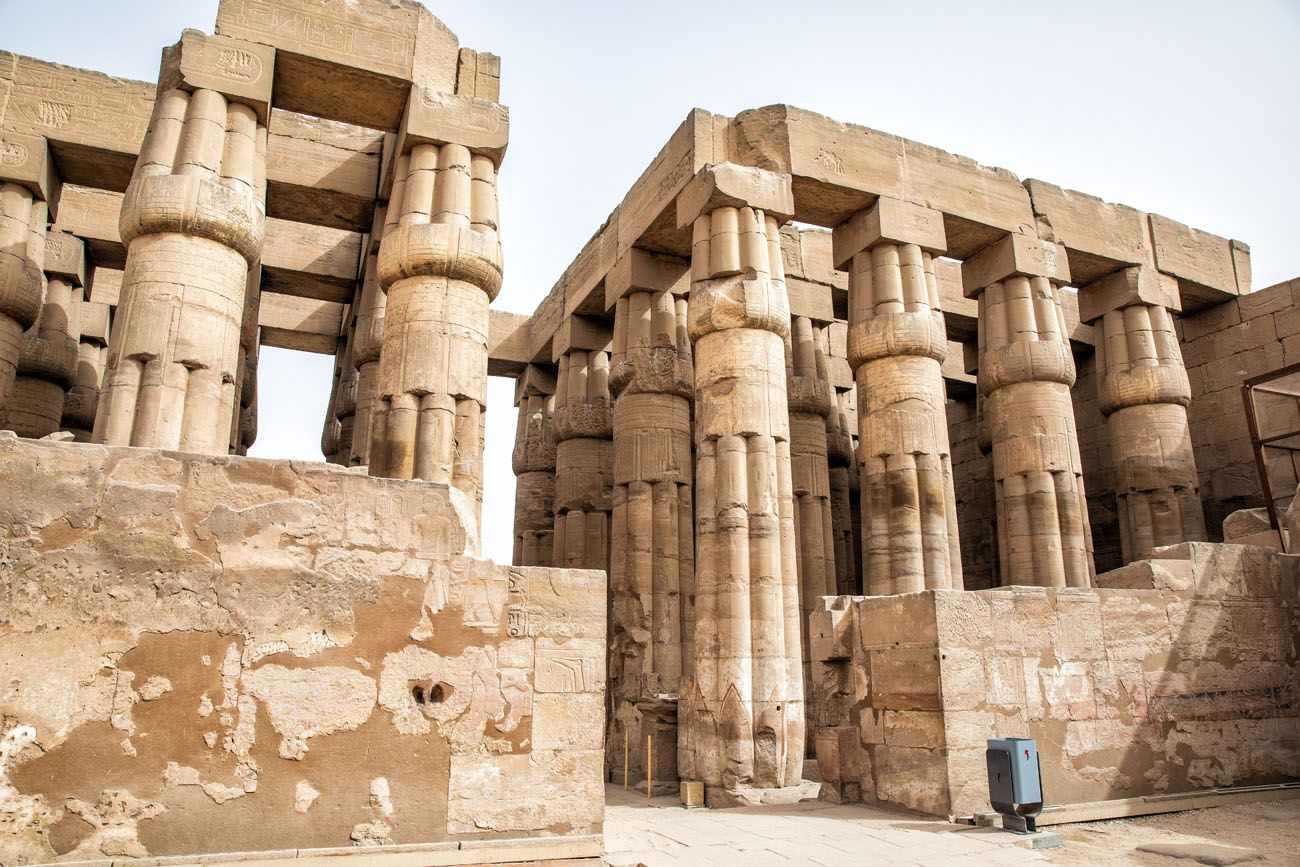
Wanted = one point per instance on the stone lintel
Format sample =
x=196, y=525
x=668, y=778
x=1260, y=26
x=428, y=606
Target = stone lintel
x=1121, y=289
x=811, y=299
x=302, y=324
x=351, y=61
x=839, y=373
x=437, y=118
x=1014, y=255
x=891, y=220
x=65, y=256
x=582, y=333
x=240, y=71
x=1099, y=236
x=106, y=285
x=507, y=342
x=729, y=185
x=25, y=161
x=535, y=379
x=1206, y=265
x=95, y=319
x=640, y=270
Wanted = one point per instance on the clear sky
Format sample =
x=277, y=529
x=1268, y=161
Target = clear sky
x=1186, y=107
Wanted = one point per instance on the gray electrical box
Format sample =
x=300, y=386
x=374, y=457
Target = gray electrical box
x=1015, y=782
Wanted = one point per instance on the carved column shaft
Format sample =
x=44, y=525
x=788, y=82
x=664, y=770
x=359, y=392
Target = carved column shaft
x=1144, y=393
x=440, y=267
x=810, y=396
x=47, y=365
x=1025, y=373
x=582, y=425
x=652, y=562
x=896, y=346
x=192, y=220
x=244, y=432
x=367, y=341
x=742, y=718
x=23, y=220
x=534, y=465
x=80, y=402
x=841, y=457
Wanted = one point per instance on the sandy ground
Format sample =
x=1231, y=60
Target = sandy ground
x=1271, y=828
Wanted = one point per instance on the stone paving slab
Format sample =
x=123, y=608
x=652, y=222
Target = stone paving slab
x=659, y=831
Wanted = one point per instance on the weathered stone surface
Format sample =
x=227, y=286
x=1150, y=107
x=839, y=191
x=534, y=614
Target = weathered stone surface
x=741, y=713
x=264, y=638
x=1175, y=683
x=1026, y=370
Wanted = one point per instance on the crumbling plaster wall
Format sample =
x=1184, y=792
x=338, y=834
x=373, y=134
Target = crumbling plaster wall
x=1172, y=675
x=211, y=654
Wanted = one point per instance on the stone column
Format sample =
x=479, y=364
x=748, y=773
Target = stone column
x=1025, y=373
x=808, y=390
x=896, y=345
x=440, y=265
x=192, y=222
x=652, y=562
x=534, y=465
x=841, y=458
x=1143, y=391
x=244, y=432
x=367, y=341
x=80, y=402
x=336, y=434
x=742, y=713
x=47, y=365
x=583, y=426
x=27, y=184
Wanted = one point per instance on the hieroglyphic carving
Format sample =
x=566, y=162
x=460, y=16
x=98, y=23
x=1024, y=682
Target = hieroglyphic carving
x=574, y=666
x=77, y=105
x=516, y=605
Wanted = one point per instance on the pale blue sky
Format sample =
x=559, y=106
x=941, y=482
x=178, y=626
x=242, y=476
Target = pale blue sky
x=1190, y=108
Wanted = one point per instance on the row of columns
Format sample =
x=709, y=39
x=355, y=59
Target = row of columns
x=409, y=390
x=712, y=573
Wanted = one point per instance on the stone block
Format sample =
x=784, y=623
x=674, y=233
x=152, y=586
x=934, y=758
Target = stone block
x=65, y=256
x=1202, y=262
x=241, y=71
x=905, y=678
x=1014, y=255
x=830, y=630
x=890, y=220
x=25, y=160
x=732, y=186
x=1098, y=236
x=433, y=117
x=95, y=322
x=354, y=62
x=582, y=333
x=1120, y=289
x=639, y=270
x=1241, y=265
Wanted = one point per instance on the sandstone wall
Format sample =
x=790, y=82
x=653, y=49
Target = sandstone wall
x=1222, y=346
x=207, y=654
x=1173, y=675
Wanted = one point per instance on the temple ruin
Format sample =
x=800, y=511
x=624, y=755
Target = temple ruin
x=835, y=451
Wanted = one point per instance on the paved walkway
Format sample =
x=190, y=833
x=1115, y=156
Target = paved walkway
x=660, y=831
